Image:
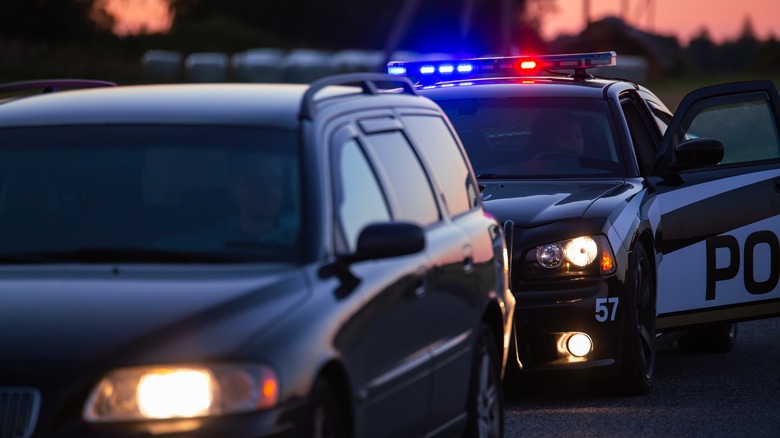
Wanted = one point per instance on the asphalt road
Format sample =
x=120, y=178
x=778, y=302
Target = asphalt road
x=735, y=394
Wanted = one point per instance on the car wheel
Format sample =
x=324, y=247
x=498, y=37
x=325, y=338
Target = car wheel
x=637, y=368
x=719, y=338
x=327, y=416
x=486, y=399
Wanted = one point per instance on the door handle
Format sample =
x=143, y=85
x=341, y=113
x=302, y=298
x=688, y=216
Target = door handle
x=468, y=259
x=421, y=283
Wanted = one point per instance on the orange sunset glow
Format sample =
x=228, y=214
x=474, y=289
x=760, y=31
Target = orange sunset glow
x=139, y=16
x=685, y=19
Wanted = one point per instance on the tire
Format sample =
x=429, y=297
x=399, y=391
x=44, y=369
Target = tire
x=635, y=376
x=327, y=414
x=719, y=338
x=486, y=397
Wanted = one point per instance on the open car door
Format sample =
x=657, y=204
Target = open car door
x=715, y=207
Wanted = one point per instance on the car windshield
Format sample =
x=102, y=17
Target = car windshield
x=194, y=194
x=537, y=137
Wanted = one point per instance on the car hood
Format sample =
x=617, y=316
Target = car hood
x=533, y=202
x=138, y=315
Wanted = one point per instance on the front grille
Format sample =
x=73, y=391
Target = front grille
x=18, y=411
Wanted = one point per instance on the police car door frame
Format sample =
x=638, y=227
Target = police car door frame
x=689, y=295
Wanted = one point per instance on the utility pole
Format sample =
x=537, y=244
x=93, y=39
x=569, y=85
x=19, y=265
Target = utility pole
x=507, y=23
x=649, y=9
x=651, y=15
x=586, y=12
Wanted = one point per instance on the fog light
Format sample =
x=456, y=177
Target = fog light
x=579, y=344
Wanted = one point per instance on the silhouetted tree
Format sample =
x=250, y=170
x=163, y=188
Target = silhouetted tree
x=702, y=52
x=739, y=54
x=768, y=56
x=437, y=25
x=746, y=46
x=529, y=18
x=313, y=23
x=53, y=20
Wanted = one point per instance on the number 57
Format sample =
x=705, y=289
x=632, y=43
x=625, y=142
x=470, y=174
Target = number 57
x=602, y=308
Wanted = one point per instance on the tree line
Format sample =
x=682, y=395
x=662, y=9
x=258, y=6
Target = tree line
x=464, y=27
x=746, y=52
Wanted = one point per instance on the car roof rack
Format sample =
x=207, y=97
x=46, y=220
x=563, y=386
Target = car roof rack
x=367, y=81
x=52, y=85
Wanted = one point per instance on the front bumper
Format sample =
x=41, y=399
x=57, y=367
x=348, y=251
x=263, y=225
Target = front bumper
x=547, y=313
x=273, y=423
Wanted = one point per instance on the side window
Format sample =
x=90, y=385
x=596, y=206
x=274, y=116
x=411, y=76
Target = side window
x=662, y=118
x=644, y=143
x=743, y=123
x=449, y=165
x=406, y=175
x=359, y=197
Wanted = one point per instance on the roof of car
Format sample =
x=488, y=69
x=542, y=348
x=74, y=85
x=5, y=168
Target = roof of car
x=576, y=75
x=541, y=86
x=277, y=105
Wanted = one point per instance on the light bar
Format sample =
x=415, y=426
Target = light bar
x=434, y=71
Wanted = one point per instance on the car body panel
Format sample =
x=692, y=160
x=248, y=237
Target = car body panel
x=536, y=202
x=121, y=311
x=747, y=208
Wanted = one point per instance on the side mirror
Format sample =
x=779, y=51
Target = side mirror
x=692, y=154
x=698, y=152
x=390, y=239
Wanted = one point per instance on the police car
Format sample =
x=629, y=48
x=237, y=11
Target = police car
x=631, y=225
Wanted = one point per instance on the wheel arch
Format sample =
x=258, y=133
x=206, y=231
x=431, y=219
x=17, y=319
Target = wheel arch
x=645, y=237
x=638, y=351
x=334, y=373
x=493, y=317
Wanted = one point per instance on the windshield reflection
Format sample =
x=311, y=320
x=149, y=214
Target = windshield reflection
x=149, y=194
x=526, y=138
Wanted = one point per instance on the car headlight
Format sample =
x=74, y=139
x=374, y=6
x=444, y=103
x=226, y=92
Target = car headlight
x=181, y=391
x=581, y=256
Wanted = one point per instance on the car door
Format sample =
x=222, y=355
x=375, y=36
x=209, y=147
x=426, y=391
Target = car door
x=717, y=225
x=384, y=341
x=462, y=285
x=448, y=292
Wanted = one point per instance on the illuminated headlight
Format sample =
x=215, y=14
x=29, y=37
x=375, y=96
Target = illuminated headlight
x=158, y=392
x=579, y=344
x=550, y=256
x=580, y=251
x=574, y=346
x=585, y=255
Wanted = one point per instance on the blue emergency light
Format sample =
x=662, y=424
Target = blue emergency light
x=428, y=72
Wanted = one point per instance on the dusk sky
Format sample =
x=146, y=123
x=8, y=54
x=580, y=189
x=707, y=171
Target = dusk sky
x=683, y=18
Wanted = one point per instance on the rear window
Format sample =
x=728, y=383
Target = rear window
x=149, y=194
x=537, y=137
